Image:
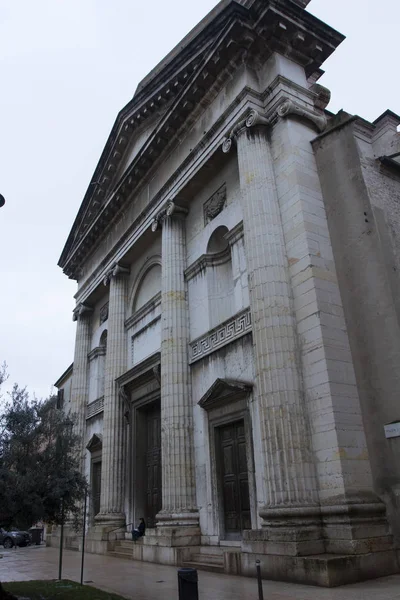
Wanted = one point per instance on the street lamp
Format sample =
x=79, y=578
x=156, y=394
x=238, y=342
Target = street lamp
x=2, y=201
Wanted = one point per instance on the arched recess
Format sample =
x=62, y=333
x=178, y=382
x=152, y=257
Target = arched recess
x=102, y=363
x=147, y=284
x=103, y=339
x=218, y=242
x=219, y=277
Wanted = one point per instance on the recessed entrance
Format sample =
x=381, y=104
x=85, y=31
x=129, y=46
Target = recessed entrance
x=96, y=486
x=234, y=479
x=152, y=483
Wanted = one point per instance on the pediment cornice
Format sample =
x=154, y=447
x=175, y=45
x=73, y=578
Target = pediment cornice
x=179, y=88
x=224, y=391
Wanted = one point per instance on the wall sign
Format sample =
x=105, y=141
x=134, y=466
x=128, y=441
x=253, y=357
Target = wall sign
x=392, y=430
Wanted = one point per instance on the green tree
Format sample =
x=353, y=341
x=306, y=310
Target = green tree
x=39, y=461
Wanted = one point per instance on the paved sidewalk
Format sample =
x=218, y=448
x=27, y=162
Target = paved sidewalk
x=147, y=581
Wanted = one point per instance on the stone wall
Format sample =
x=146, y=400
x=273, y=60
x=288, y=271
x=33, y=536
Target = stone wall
x=362, y=209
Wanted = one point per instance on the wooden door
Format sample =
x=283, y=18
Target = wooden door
x=235, y=480
x=153, y=465
x=96, y=486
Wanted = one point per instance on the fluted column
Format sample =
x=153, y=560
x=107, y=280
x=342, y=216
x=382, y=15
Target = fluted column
x=79, y=391
x=289, y=476
x=112, y=469
x=178, y=477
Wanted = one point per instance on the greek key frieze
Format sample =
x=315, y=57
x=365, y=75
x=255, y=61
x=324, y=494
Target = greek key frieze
x=95, y=408
x=226, y=333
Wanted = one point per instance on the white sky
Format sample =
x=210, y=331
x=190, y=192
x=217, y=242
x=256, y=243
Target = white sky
x=66, y=68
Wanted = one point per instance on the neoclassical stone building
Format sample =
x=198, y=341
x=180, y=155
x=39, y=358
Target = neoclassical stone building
x=237, y=343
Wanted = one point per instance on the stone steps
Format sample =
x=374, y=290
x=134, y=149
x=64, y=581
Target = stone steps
x=124, y=544
x=204, y=566
x=120, y=555
x=122, y=549
x=206, y=561
x=212, y=559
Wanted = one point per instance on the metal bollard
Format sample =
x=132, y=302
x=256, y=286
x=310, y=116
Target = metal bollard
x=187, y=584
x=259, y=581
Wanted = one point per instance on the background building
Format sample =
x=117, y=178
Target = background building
x=237, y=311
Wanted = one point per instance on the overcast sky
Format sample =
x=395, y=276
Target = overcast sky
x=67, y=67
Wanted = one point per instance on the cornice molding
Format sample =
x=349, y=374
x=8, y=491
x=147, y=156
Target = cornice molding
x=145, y=367
x=272, y=96
x=224, y=391
x=96, y=352
x=287, y=108
x=207, y=260
x=288, y=30
x=96, y=441
x=66, y=375
x=146, y=309
x=235, y=234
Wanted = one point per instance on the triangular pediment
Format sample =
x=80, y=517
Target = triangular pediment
x=95, y=443
x=171, y=94
x=224, y=391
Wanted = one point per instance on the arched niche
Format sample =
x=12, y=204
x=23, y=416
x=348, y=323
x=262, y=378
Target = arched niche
x=217, y=242
x=219, y=277
x=103, y=339
x=148, y=287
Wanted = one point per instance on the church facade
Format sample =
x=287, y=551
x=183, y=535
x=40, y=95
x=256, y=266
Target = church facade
x=235, y=377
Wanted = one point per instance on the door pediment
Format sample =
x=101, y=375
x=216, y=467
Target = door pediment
x=95, y=443
x=224, y=391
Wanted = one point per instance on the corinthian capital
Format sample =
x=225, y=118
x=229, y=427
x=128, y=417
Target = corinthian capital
x=170, y=209
x=252, y=119
x=81, y=310
x=116, y=271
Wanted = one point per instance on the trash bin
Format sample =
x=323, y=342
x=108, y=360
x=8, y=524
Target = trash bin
x=187, y=584
x=36, y=535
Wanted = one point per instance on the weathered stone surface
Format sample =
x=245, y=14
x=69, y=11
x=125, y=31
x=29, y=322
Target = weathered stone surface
x=250, y=352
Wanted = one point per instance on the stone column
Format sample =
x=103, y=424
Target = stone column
x=178, y=477
x=112, y=468
x=353, y=516
x=79, y=391
x=290, y=483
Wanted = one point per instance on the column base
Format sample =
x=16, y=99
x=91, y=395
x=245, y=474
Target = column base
x=110, y=520
x=100, y=539
x=173, y=537
x=290, y=530
x=185, y=518
x=325, y=570
x=356, y=525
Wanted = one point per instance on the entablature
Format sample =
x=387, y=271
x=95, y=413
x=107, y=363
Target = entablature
x=279, y=92
x=280, y=27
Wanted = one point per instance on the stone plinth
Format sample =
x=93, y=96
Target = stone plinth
x=325, y=570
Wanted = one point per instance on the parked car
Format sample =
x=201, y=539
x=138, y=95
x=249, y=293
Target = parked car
x=14, y=537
